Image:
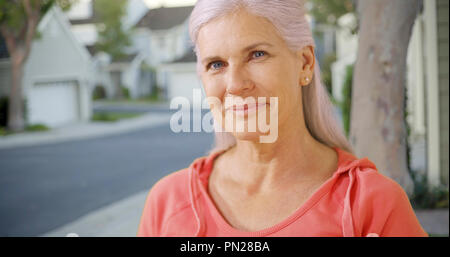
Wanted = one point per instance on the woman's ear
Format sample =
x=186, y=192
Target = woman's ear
x=307, y=62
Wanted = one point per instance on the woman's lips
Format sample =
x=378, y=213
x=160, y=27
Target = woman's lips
x=246, y=108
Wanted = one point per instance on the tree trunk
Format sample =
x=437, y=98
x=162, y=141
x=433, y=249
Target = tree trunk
x=16, y=121
x=18, y=42
x=378, y=128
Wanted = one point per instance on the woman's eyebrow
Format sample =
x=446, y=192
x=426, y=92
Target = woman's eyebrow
x=245, y=49
x=255, y=45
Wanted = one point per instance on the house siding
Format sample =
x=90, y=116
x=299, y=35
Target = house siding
x=443, y=56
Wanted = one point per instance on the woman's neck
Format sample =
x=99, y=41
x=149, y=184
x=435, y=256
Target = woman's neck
x=296, y=157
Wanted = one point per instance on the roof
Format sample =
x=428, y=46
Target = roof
x=165, y=18
x=57, y=14
x=189, y=56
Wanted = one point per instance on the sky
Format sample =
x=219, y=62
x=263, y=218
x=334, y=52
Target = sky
x=168, y=3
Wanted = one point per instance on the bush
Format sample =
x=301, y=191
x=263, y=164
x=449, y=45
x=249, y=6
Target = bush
x=99, y=92
x=326, y=71
x=426, y=196
x=346, y=103
x=125, y=92
x=37, y=127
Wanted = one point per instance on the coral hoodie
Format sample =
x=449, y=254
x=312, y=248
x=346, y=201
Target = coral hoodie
x=356, y=201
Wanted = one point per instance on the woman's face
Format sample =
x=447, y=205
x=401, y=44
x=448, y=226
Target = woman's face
x=241, y=56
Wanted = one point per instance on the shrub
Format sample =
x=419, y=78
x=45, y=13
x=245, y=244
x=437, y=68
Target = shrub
x=37, y=127
x=326, y=71
x=125, y=92
x=346, y=103
x=426, y=196
x=99, y=92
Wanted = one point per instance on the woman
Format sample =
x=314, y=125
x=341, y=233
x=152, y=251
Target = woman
x=305, y=182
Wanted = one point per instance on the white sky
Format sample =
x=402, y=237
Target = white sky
x=168, y=3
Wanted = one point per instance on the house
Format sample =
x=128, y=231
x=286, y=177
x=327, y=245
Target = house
x=57, y=75
x=426, y=87
x=170, y=54
x=113, y=75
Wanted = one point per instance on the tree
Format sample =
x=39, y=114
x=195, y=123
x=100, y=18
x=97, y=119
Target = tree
x=113, y=38
x=18, y=23
x=377, y=119
x=329, y=11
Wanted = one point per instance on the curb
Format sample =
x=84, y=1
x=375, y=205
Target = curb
x=83, y=131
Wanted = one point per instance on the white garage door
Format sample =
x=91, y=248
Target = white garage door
x=53, y=104
x=182, y=84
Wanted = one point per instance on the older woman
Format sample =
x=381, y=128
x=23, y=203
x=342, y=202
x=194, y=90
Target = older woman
x=306, y=182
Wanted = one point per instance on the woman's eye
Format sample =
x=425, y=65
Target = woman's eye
x=258, y=54
x=216, y=65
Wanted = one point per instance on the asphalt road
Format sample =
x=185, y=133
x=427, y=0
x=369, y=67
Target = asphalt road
x=45, y=187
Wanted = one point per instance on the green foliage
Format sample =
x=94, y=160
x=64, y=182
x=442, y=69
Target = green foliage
x=37, y=127
x=329, y=11
x=346, y=103
x=112, y=116
x=125, y=92
x=113, y=38
x=99, y=92
x=13, y=15
x=326, y=71
x=426, y=196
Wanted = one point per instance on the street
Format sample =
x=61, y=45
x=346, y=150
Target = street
x=44, y=187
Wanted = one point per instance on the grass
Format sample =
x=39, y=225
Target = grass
x=113, y=116
x=437, y=235
x=151, y=99
x=29, y=128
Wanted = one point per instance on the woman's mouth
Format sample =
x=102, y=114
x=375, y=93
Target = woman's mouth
x=246, y=109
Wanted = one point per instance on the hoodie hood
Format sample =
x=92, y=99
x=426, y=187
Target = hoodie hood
x=347, y=164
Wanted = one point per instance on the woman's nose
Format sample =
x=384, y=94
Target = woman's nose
x=238, y=81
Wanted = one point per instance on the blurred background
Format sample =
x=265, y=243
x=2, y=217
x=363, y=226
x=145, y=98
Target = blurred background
x=85, y=90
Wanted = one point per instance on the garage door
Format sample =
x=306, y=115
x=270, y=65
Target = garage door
x=53, y=104
x=182, y=84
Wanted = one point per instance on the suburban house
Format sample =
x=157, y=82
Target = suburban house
x=163, y=34
x=57, y=75
x=426, y=87
x=128, y=72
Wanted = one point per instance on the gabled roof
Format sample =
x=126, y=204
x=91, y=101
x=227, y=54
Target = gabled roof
x=55, y=13
x=165, y=18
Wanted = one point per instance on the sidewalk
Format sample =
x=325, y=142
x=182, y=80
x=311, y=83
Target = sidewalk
x=83, y=131
x=120, y=219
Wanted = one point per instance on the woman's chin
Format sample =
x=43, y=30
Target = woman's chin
x=247, y=136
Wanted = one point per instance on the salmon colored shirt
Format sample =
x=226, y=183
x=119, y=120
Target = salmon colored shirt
x=356, y=201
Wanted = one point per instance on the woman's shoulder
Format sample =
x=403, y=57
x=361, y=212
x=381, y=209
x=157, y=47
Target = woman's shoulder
x=367, y=184
x=365, y=179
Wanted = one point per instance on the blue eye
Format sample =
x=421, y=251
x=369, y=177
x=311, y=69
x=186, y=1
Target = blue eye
x=216, y=65
x=258, y=54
